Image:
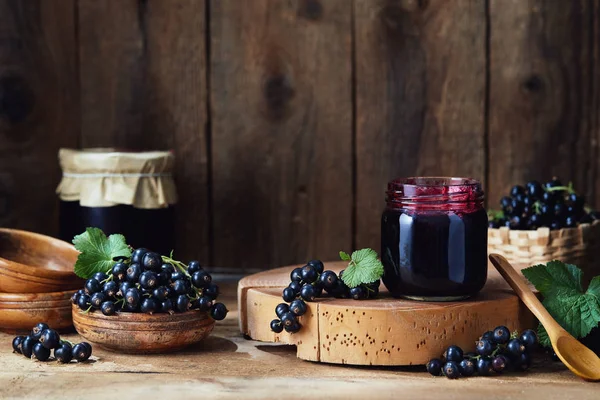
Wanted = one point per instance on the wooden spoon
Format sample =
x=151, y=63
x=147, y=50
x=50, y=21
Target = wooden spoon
x=579, y=359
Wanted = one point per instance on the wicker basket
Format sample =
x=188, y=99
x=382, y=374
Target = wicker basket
x=579, y=246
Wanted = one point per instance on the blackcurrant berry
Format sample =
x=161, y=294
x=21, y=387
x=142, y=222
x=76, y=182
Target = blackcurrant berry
x=523, y=361
x=434, y=367
x=276, y=326
x=288, y=294
x=161, y=293
x=308, y=292
x=83, y=302
x=295, y=286
x=123, y=287
x=488, y=335
x=132, y=297
x=218, y=311
x=180, y=286
x=451, y=370
x=152, y=261
x=515, y=347
x=309, y=274
x=82, y=352
x=505, y=202
x=100, y=277
x=288, y=319
x=211, y=291
x=133, y=272
x=297, y=307
x=148, y=279
x=166, y=306
x=92, y=286
x=328, y=279
x=570, y=222
x=281, y=309
x=149, y=305
x=138, y=255
x=534, y=189
x=119, y=271
x=317, y=265
x=484, y=347
x=16, y=344
x=556, y=225
x=40, y=352
x=340, y=290
x=64, y=353
x=493, y=224
x=168, y=268
x=97, y=299
x=108, y=307
x=453, y=353
x=529, y=339
x=27, y=346
x=193, y=267
x=183, y=303
x=358, y=293
x=203, y=303
x=484, y=366
x=466, y=367
x=517, y=190
x=296, y=275
x=499, y=363
x=177, y=275
x=75, y=296
x=37, y=330
x=110, y=288
x=50, y=338
x=201, y=279
x=501, y=335
x=295, y=327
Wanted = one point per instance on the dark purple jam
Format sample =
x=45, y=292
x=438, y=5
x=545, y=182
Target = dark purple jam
x=434, y=239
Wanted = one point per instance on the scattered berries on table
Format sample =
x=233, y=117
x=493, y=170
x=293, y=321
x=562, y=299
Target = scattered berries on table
x=38, y=345
x=308, y=283
x=495, y=353
x=149, y=283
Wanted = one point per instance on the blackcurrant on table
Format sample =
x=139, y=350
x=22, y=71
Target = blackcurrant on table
x=228, y=366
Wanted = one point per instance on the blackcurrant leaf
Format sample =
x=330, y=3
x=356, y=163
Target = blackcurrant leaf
x=97, y=251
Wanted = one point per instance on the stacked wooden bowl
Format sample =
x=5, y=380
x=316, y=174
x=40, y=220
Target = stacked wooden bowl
x=36, y=281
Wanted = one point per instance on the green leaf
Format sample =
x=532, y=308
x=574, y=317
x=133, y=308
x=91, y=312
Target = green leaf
x=543, y=337
x=97, y=251
x=575, y=310
x=345, y=256
x=364, y=267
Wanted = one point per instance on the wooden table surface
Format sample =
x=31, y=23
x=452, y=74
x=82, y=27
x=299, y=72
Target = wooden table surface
x=227, y=366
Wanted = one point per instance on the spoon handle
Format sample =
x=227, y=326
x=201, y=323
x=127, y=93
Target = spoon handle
x=522, y=290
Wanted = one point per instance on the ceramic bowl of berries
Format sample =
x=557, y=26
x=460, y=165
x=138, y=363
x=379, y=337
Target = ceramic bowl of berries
x=540, y=222
x=35, y=263
x=140, y=301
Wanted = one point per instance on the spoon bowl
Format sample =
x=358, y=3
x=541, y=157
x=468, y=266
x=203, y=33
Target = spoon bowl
x=35, y=263
x=579, y=359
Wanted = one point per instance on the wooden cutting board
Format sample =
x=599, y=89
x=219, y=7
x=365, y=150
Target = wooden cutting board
x=384, y=331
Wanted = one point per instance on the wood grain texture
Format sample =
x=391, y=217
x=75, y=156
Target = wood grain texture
x=281, y=130
x=420, y=91
x=38, y=108
x=19, y=312
x=384, y=331
x=543, y=116
x=228, y=366
x=143, y=82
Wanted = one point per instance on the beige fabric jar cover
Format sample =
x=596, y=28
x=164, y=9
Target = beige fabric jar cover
x=106, y=177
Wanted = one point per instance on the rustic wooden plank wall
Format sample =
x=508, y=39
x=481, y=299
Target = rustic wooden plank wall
x=288, y=117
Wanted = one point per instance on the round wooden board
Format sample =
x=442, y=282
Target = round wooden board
x=384, y=331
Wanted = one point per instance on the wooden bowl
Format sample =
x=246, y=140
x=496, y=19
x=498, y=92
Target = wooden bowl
x=34, y=263
x=143, y=333
x=20, y=312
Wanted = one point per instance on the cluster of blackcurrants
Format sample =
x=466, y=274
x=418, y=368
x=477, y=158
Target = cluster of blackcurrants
x=307, y=283
x=495, y=352
x=549, y=205
x=149, y=283
x=42, y=340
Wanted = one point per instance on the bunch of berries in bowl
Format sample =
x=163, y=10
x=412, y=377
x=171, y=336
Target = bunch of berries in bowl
x=536, y=205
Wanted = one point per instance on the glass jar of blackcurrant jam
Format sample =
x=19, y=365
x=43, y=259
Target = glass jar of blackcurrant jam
x=434, y=238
